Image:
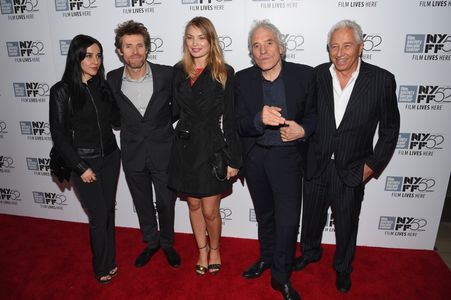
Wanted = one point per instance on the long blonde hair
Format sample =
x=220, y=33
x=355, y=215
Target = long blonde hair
x=215, y=58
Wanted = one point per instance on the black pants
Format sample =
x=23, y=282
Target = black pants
x=140, y=185
x=274, y=179
x=98, y=200
x=345, y=202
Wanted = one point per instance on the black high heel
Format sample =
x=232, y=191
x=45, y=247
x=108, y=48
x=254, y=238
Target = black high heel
x=214, y=268
x=199, y=269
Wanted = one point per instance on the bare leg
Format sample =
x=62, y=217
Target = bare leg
x=199, y=229
x=210, y=210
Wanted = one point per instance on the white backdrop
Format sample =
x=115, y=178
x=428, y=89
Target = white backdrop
x=412, y=39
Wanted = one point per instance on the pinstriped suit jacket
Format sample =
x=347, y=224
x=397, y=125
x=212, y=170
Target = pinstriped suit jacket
x=372, y=103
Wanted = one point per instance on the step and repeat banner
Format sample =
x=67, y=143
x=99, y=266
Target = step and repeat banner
x=410, y=38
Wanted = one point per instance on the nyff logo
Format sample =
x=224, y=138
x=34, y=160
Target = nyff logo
x=420, y=141
x=427, y=43
x=74, y=5
x=402, y=223
x=25, y=48
x=49, y=198
x=409, y=184
x=38, y=164
x=31, y=89
x=34, y=128
x=424, y=94
x=18, y=6
x=9, y=194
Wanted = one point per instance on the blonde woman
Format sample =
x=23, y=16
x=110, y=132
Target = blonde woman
x=203, y=95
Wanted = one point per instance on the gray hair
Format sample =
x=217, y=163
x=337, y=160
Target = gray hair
x=350, y=25
x=266, y=24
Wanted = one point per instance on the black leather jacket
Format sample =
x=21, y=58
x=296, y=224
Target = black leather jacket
x=81, y=133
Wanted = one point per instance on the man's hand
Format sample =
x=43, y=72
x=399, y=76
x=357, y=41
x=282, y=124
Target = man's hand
x=367, y=173
x=292, y=131
x=271, y=116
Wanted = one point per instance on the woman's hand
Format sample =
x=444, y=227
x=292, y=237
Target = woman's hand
x=231, y=172
x=88, y=176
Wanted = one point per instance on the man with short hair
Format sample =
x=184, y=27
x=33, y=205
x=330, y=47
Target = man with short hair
x=143, y=92
x=354, y=98
x=275, y=104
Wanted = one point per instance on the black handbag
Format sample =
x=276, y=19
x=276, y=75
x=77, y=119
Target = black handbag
x=219, y=163
x=58, y=166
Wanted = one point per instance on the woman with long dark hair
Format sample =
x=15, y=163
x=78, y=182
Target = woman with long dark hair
x=203, y=92
x=82, y=113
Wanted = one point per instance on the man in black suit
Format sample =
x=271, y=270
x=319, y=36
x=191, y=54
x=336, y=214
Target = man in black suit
x=354, y=98
x=275, y=114
x=143, y=92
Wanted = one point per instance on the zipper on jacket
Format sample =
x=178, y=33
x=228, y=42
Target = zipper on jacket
x=98, y=122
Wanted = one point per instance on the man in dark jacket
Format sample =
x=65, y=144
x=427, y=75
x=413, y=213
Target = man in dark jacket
x=143, y=92
x=354, y=98
x=275, y=113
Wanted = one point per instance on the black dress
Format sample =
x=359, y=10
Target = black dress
x=199, y=135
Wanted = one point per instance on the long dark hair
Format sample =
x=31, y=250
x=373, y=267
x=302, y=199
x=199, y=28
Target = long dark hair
x=73, y=72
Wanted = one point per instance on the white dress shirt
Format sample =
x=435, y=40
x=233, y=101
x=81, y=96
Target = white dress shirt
x=341, y=96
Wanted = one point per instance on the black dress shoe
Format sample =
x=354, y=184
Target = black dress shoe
x=343, y=282
x=287, y=291
x=145, y=256
x=256, y=269
x=301, y=262
x=172, y=257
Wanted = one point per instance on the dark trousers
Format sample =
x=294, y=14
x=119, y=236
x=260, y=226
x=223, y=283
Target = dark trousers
x=345, y=201
x=274, y=176
x=99, y=200
x=140, y=185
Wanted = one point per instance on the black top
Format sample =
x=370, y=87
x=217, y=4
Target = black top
x=201, y=107
x=273, y=95
x=82, y=131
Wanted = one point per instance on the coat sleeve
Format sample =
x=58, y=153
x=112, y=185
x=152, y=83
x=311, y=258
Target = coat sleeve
x=229, y=127
x=175, y=108
x=389, y=123
x=246, y=120
x=115, y=112
x=59, y=129
x=310, y=117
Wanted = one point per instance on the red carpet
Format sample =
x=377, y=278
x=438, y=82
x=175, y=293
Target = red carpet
x=44, y=259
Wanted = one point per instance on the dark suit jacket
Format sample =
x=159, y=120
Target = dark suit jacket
x=149, y=136
x=372, y=102
x=300, y=100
